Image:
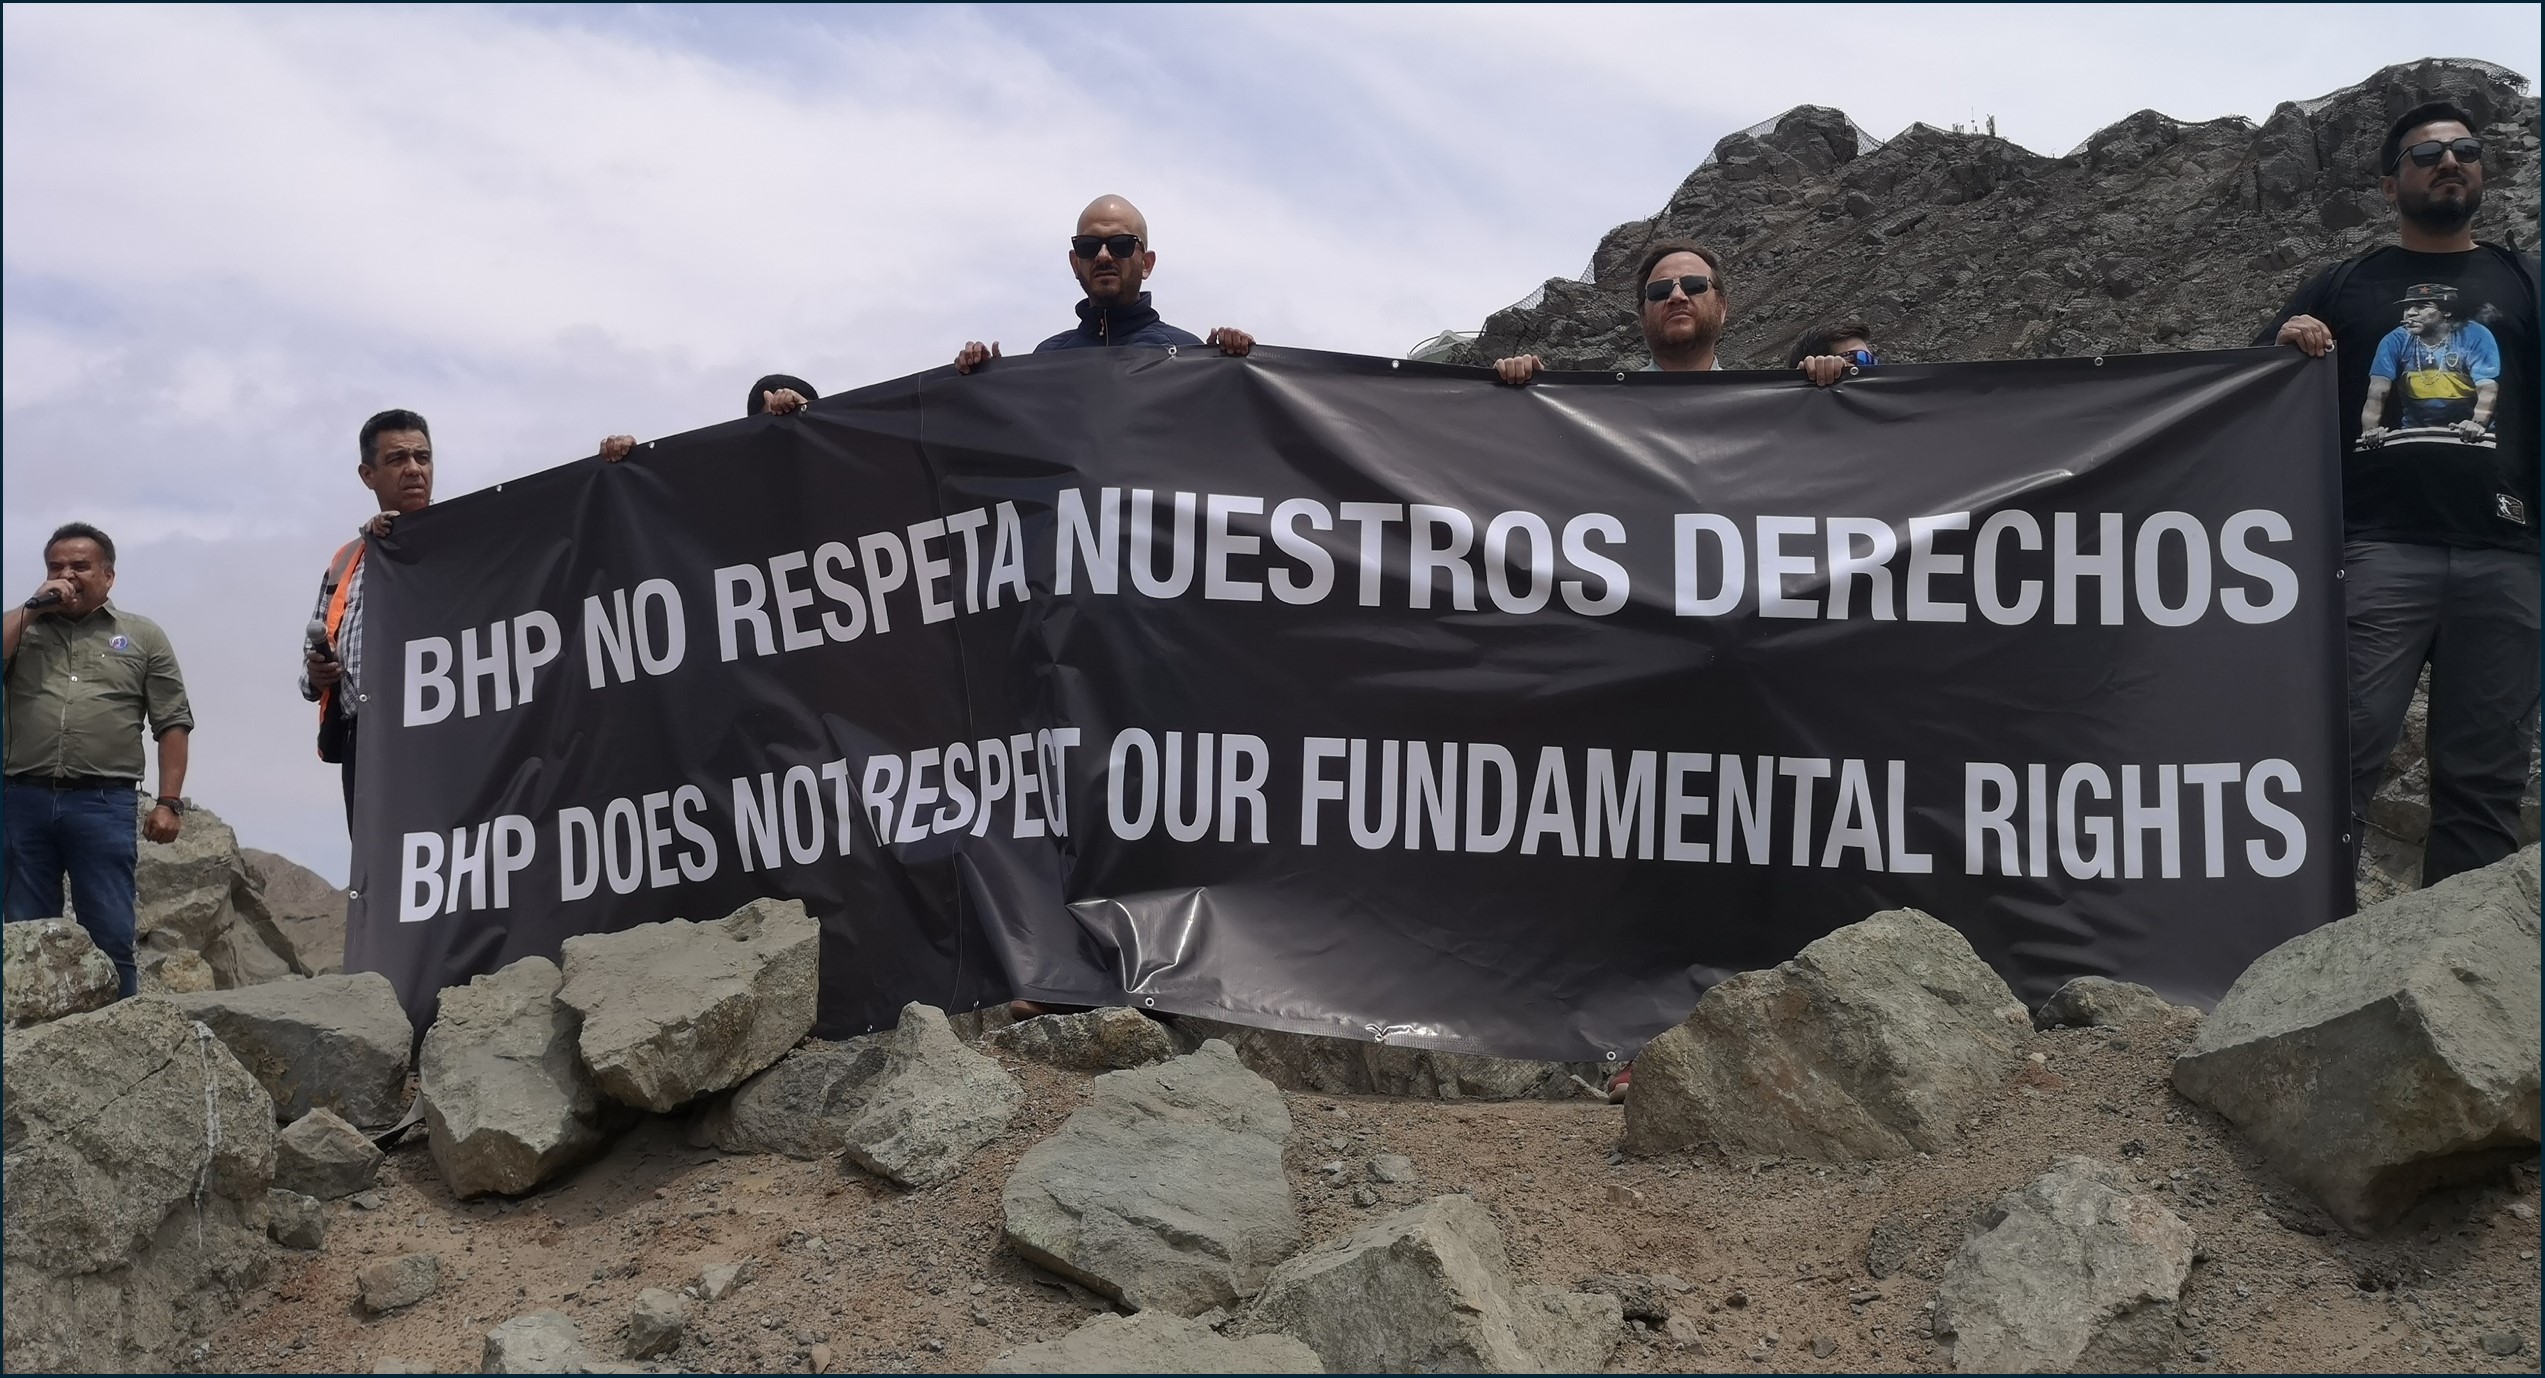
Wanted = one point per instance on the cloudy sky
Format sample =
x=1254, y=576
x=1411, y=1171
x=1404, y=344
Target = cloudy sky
x=232, y=234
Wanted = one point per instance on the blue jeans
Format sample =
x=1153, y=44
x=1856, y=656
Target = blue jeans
x=92, y=834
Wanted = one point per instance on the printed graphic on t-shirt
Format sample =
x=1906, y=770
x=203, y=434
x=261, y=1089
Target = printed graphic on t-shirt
x=2436, y=376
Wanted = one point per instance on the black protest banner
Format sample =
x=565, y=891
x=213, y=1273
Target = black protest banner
x=1355, y=697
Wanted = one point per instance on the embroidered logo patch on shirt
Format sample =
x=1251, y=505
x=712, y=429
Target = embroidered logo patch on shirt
x=2509, y=508
x=119, y=643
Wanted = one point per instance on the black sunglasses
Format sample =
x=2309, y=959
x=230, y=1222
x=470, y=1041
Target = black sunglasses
x=2469, y=150
x=1694, y=284
x=1119, y=245
x=1861, y=358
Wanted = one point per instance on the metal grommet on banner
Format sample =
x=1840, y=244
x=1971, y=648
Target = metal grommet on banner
x=1611, y=1055
x=2346, y=837
x=1396, y=363
x=353, y=894
x=499, y=487
x=2098, y=361
x=2341, y=574
x=362, y=698
x=1149, y=1002
x=1621, y=377
x=1170, y=351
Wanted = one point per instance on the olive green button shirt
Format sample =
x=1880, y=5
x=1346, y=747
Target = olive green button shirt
x=78, y=693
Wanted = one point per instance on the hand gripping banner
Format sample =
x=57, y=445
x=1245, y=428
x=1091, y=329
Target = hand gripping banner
x=1375, y=699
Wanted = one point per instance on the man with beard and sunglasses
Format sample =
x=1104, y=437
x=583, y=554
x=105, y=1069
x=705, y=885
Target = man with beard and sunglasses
x=1110, y=256
x=1680, y=302
x=2438, y=373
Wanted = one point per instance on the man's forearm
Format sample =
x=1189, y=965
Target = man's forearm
x=13, y=626
x=172, y=763
x=2487, y=395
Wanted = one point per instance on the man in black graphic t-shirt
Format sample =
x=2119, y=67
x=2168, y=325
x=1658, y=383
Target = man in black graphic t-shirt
x=2438, y=362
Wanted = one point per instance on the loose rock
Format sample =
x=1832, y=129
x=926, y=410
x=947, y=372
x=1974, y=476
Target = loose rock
x=1343, y=1066
x=934, y=1106
x=1873, y=1042
x=2093, y=1002
x=108, y=1134
x=1641, y=1298
x=174, y=973
x=196, y=895
x=507, y=1104
x=656, y=1324
x=1393, y=1168
x=1092, y=1041
x=1153, y=1342
x=336, y=1041
x=802, y=1104
x=1166, y=1191
x=49, y=968
x=395, y=1282
x=2074, y=1271
x=322, y=1156
x=2389, y=1053
x=1429, y=1289
x=674, y=1010
x=295, y=1221
x=309, y=913
x=717, y=1280
x=541, y=1342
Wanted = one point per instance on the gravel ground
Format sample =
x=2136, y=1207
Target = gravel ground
x=1788, y=1265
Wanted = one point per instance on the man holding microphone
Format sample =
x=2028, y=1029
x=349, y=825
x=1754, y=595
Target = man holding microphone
x=82, y=678
x=396, y=464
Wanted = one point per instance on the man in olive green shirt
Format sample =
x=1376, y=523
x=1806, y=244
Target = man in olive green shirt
x=82, y=678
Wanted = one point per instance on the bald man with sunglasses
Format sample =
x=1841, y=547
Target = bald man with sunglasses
x=1679, y=301
x=1110, y=256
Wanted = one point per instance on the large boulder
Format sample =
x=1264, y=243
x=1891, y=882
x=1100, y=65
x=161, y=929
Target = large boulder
x=934, y=1106
x=2389, y=1053
x=800, y=1105
x=49, y=968
x=507, y=1104
x=1429, y=1289
x=1873, y=1042
x=309, y=913
x=138, y=1158
x=674, y=1010
x=1351, y=1067
x=1166, y=1190
x=1103, y=1040
x=1153, y=1342
x=197, y=895
x=337, y=1041
x=321, y=1155
x=2075, y=1271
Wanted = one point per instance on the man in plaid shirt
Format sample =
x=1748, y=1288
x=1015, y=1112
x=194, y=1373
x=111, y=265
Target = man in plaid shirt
x=397, y=466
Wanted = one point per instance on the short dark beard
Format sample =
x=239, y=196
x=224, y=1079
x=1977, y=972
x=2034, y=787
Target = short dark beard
x=2443, y=217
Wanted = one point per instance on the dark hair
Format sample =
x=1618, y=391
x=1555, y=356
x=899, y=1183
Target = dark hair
x=394, y=419
x=2390, y=154
x=1823, y=338
x=82, y=531
x=1654, y=255
x=756, y=403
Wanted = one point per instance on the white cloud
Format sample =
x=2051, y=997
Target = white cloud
x=230, y=234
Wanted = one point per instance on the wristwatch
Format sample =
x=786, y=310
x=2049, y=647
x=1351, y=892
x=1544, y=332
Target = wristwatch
x=173, y=804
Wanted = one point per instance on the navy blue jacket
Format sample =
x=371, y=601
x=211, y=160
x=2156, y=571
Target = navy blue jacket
x=1136, y=324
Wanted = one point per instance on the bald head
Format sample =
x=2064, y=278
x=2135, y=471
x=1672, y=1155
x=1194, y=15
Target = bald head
x=1117, y=260
x=1118, y=214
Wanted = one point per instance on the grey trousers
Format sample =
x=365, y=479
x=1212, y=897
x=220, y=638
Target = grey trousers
x=2472, y=615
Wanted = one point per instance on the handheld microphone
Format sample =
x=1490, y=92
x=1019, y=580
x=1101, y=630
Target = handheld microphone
x=318, y=639
x=45, y=599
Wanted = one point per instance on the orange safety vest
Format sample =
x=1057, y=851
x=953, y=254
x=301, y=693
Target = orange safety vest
x=340, y=573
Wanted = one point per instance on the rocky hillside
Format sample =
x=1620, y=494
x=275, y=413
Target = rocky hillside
x=2155, y=235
